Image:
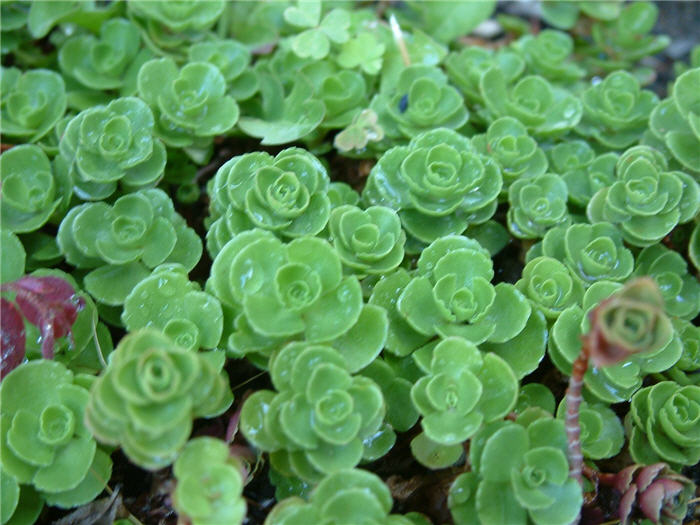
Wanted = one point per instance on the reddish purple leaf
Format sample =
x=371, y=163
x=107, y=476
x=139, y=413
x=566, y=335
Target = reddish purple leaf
x=50, y=304
x=12, y=338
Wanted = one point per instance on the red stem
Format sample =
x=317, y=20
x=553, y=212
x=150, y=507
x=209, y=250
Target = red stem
x=573, y=404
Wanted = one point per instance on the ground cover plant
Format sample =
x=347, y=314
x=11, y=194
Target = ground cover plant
x=347, y=262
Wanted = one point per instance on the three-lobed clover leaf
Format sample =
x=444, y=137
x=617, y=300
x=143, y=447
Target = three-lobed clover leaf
x=364, y=51
x=680, y=290
x=209, y=483
x=519, y=475
x=321, y=420
x=665, y=424
x=347, y=496
x=549, y=285
x=616, y=111
x=536, y=205
x=315, y=42
x=190, y=103
x=169, y=301
x=548, y=54
x=633, y=325
x=368, y=241
x=286, y=290
x=518, y=154
x=31, y=103
x=462, y=390
x=545, y=110
x=438, y=184
x=646, y=201
x=146, y=398
x=285, y=194
x=104, y=145
x=419, y=101
x=592, y=252
x=44, y=440
x=108, y=62
x=676, y=121
x=32, y=191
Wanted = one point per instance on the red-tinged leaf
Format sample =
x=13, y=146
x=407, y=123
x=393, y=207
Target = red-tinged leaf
x=49, y=303
x=12, y=338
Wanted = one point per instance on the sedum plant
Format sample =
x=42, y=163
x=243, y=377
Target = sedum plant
x=462, y=390
x=438, y=184
x=549, y=286
x=663, y=421
x=321, y=420
x=616, y=111
x=190, y=104
x=109, y=62
x=32, y=191
x=684, y=372
x=146, y=398
x=602, y=434
x=368, y=241
x=31, y=103
x=518, y=154
x=549, y=54
x=537, y=204
x=209, y=483
x=44, y=441
x=285, y=194
x=233, y=60
x=169, y=301
x=348, y=496
x=420, y=100
x=646, y=201
x=110, y=144
x=519, y=475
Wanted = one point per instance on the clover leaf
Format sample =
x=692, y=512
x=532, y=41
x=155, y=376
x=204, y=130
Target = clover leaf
x=316, y=41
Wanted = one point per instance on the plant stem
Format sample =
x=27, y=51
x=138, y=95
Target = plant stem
x=573, y=404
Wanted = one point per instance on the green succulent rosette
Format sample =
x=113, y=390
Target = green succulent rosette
x=286, y=290
x=179, y=17
x=121, y=242
x=109, y=62
x=419, y=101
x=32, y=191
x=545, y=110
x=169, y=301
x=190, y=104
x=646, y=201
x=602, y=434
x=453, y=398
x=623, y=39
x=395, y=377
x=549, y=54
x=209, y=483
x=664, y=423
x=342, y=91
x=31, y=103
x=687, y=370
x=676, y=121
x=636, y=325
x=506, y=140
x=450, y=294
x=233, y=61
x=536, y=205
x=438, y=184
x=104, y=145
x=466, y=67
x=369, y=242
x=146, y=398
x=347, y=496
x=583, y=172
x=680, y=290
x=519, y=475
x=616, y=111
x=549, y=286
x=592, y=252
x=285, y=194
x=44, y=441
x=321, y=420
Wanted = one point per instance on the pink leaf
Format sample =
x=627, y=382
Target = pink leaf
x=12, y=338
